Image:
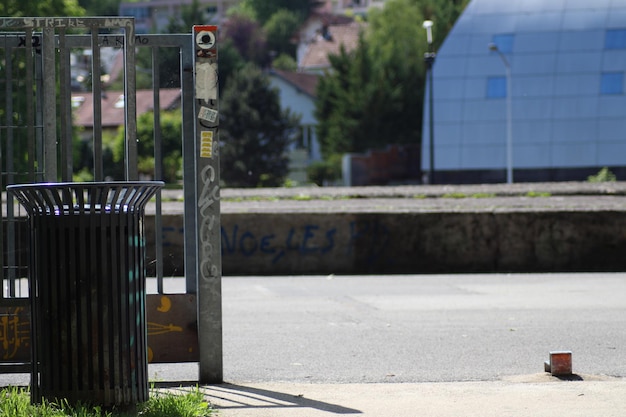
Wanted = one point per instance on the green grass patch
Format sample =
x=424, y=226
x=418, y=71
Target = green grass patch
x=454, y=195
x=166, y=404
x=302, y=197
x=604, y=175
x=233, y=199
x=483, y=195
x=253, y=198
x=15, y=402
x=538, y=194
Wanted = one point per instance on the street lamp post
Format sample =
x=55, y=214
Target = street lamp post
x=509, y=115
x=429, y=59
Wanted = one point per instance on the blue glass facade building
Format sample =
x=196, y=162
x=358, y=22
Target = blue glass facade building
x=568, y=117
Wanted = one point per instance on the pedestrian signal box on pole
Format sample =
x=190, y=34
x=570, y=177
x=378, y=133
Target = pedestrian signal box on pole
x=208, y=241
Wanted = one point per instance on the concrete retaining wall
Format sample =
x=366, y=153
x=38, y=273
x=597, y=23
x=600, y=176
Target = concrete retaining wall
x=351, y=243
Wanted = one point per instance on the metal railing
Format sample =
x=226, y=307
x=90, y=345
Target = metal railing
x=38, y=73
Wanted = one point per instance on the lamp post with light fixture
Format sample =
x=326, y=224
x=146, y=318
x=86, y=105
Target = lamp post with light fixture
x=429, y=59
x=509, y=117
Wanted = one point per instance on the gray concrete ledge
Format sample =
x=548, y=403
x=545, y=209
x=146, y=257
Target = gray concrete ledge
x=582, y=196
x=533, y=227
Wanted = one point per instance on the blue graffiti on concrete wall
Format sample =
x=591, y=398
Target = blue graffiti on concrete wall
x=370, y=236
x=305, y=240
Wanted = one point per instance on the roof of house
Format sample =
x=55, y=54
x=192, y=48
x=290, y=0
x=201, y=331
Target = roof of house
x=307, y=83
x=329, y=42
x=113, y=105
x=344, y=6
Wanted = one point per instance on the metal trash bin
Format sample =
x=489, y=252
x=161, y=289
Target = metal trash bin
x=87, y=290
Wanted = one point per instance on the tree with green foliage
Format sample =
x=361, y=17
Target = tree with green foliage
x=21, y=154
x=340, y=108
x=372, y=97
x=280, y=30
x=190, y=14
x=255, y=132
x=17, y=8
x=171, y=133
x=326, y=171
x=396, y=47
x=100, y=7
x=285, y=62
x=444, y=13
x=169, y=58
x=230, y=61
x=248, y=37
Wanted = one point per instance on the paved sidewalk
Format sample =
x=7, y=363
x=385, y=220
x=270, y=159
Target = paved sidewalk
x=539, y=395
x=535, y=395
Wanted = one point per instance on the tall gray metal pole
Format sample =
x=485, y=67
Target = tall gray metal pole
x=509, y=125
x=130, y=101
x=429, y=59
x=208, y=247
x=49, y=104
x=509, y=113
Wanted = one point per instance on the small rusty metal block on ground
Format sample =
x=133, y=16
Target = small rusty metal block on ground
x=560, y=363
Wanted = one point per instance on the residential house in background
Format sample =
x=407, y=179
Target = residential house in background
x=318, y=39
x=297, y=93
x=352, y=7
x=323, y=35
x=332, y=25
x=112, y=114
x=152, y=16
x=326, y=39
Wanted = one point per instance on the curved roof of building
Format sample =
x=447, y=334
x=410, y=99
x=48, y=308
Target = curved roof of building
x=567, y=60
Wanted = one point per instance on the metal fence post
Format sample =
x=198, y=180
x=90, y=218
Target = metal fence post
x=208, y=205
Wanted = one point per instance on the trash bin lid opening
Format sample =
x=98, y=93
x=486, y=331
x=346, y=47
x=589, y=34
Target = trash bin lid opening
x=85, y=198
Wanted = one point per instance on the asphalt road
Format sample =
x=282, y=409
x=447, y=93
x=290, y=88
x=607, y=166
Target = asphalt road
x=429, y=328
x=414, y=328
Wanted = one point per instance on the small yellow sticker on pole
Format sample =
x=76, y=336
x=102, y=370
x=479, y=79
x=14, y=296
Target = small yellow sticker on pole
x=206, y=144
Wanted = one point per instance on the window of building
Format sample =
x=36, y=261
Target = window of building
x=496, y=87
x=612, y=83
x=615, y=39
x=504, y=42
x=77, y=101
x=119, y=104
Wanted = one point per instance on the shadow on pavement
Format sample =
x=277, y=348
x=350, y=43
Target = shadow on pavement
x=230, y=396
x=570, y=377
